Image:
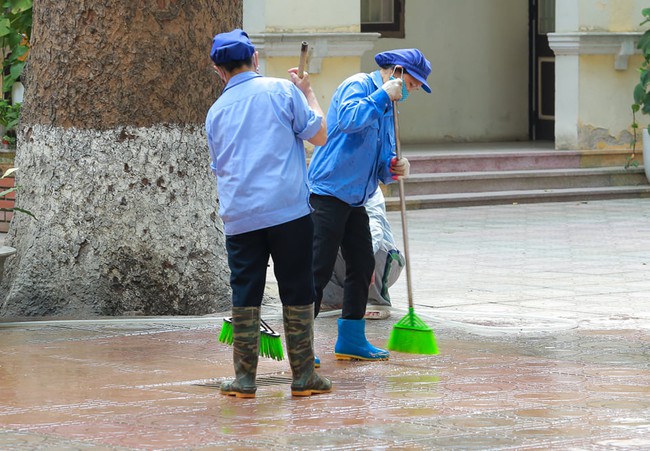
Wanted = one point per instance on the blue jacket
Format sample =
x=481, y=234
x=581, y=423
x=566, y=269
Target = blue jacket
x=360, y=142
x=255, y=135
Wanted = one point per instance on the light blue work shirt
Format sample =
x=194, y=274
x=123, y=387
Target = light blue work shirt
x=360, y=142
x=255, y=136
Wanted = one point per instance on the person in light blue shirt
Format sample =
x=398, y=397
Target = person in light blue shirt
x=255, y=133
x=345, y=172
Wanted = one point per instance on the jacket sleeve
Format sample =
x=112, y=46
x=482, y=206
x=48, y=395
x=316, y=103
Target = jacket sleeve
x=359, y=109
x=384, y=174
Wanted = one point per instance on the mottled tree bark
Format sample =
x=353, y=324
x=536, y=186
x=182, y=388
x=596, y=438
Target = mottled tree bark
x=113, y=162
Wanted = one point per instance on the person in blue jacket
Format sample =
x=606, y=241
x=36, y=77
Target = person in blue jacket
x=346, y=171
x=255, y=133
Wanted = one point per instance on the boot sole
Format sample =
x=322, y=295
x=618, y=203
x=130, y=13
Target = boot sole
x=309, y=392
x=356, y=357
x=238, y=394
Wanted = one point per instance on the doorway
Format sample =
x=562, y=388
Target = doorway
x=541, y=71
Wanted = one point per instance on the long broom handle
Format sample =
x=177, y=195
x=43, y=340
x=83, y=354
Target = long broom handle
x=402, y=207
x=304, y=49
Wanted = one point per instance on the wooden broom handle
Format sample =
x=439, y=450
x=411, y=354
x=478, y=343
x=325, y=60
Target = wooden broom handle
x=304, y=49
x=402, y=207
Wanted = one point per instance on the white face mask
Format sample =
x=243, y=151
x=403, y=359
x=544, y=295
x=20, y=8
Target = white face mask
x=405, y=92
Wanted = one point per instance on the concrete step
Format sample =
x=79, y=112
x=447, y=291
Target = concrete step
x=512, y=159
x=518, y=196
x=491, y=181
x=501, y=173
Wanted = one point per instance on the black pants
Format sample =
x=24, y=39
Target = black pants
x=290, y=246
x=337, y=224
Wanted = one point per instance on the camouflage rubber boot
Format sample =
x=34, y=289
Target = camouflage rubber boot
x=245, y=352
x=299, y=330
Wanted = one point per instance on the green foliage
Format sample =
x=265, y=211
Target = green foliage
x=15, y=32
x=9, y=114
x=9, y=117
x=640, y=93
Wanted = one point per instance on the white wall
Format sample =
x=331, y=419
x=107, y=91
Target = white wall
x=479, y=54
x=290, y=16
x=595, y=79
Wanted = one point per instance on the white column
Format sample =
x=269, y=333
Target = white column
x=567, y=78
x=567, y=101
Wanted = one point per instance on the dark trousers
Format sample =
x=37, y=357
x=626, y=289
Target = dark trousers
x=290, y=246
x=337, y=224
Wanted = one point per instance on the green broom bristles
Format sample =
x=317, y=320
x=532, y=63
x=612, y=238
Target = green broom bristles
x=226, y=331
x=270, y=341
x=412, y=335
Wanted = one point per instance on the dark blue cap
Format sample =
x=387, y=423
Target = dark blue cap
x=410, y=59
x=231, y=46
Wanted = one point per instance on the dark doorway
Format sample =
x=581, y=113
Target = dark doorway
x=542, y=71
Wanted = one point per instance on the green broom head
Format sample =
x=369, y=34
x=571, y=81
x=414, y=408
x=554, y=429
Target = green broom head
x=226, y=331
x=270, y=341
x=413, y=336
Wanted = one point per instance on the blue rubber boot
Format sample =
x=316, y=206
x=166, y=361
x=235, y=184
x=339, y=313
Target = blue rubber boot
x=352, y=343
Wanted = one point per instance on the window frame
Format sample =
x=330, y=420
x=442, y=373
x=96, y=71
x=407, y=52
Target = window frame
x=394, y=29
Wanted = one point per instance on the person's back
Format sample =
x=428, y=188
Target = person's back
x=256, y=154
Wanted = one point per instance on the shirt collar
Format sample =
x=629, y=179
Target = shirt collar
x=376, y=78
x=379, y=82
x=240, y=78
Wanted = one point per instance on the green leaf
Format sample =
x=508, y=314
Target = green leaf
x=644, y=43
x=17, y=69
x=646, y=14
x=644, y=77
x=10, y=190
x=645, y=109
x=8, y=172
x=639, y=94
x=5, y=27
x=635, y=107
x=27, y=212
x=19, y=6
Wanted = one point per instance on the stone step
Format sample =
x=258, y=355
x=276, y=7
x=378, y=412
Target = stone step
x=490, y=181
x=519, y=196
x=427, y=162
x=500, y=173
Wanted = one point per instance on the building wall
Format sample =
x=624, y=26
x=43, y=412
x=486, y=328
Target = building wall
x=332, y=71
x=595, y=77
x=479, y=54
x=287, y=17
x=282, y=16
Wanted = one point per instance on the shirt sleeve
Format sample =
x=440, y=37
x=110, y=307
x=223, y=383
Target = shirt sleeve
x=306, y=123
x=358, y=109
x=384, y=173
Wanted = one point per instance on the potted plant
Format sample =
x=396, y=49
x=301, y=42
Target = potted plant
x=642, y=97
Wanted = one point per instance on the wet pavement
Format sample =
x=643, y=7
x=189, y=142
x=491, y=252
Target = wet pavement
x=541, y=313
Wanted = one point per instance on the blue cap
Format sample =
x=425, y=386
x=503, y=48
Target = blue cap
x=231, y=46
x=410, y=59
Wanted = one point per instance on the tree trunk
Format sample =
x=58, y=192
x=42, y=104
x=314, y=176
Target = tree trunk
x=113, y=162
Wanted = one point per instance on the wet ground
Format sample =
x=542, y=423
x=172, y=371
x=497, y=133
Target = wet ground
x=153, y=385
x=540, y=313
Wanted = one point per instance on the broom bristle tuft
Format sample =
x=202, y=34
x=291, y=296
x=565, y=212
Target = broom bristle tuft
x=226, y=332
x=270, y=341
x=413, y=336
x=271, y=347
